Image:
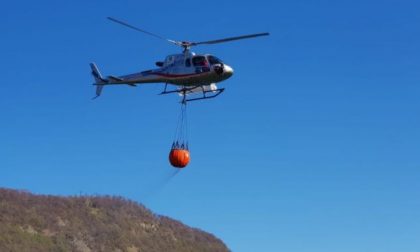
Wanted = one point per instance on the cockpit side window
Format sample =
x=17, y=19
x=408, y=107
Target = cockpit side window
x=213, y=60
x=188, y=62
x=199, y=61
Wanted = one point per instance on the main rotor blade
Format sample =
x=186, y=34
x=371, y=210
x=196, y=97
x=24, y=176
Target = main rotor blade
x=230, y=39
x=140, y=30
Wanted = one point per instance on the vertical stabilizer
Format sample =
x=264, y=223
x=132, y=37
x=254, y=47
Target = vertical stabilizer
x=99, y=81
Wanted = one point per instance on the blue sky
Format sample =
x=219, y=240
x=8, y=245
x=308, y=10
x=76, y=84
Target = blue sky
x=314, y=145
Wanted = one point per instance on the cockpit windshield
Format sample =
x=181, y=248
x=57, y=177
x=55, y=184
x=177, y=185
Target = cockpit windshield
x=213, y=60
x=199, y=61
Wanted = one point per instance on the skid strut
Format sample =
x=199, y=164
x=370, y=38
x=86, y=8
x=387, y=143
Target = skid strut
x=187, y=90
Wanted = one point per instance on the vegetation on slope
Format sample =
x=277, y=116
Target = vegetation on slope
x=31, y=222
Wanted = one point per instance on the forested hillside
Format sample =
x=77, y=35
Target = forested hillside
x=31, y=222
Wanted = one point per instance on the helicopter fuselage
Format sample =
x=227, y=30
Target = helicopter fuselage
x=187, y=69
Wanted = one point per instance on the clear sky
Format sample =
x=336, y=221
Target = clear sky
x=314, y=145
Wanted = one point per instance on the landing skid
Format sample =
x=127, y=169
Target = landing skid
x=188, y=90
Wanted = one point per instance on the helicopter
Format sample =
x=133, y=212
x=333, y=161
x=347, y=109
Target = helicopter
x=191, y=73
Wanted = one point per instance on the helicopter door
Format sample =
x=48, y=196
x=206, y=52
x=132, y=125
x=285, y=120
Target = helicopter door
x=201, y=64
x=169, y=60
x=174, y=64
x=188, y=62
x=178, y=66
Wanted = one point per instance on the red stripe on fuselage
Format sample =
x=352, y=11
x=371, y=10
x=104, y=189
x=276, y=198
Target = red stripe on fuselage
x=178, y=75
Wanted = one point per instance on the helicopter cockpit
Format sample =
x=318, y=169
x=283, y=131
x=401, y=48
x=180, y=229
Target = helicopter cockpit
x=205, y=60
x=213, y=60
x=199, y=60
x=204, y=63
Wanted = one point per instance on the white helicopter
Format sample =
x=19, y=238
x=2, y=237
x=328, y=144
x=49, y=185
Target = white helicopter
x=191, y=73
